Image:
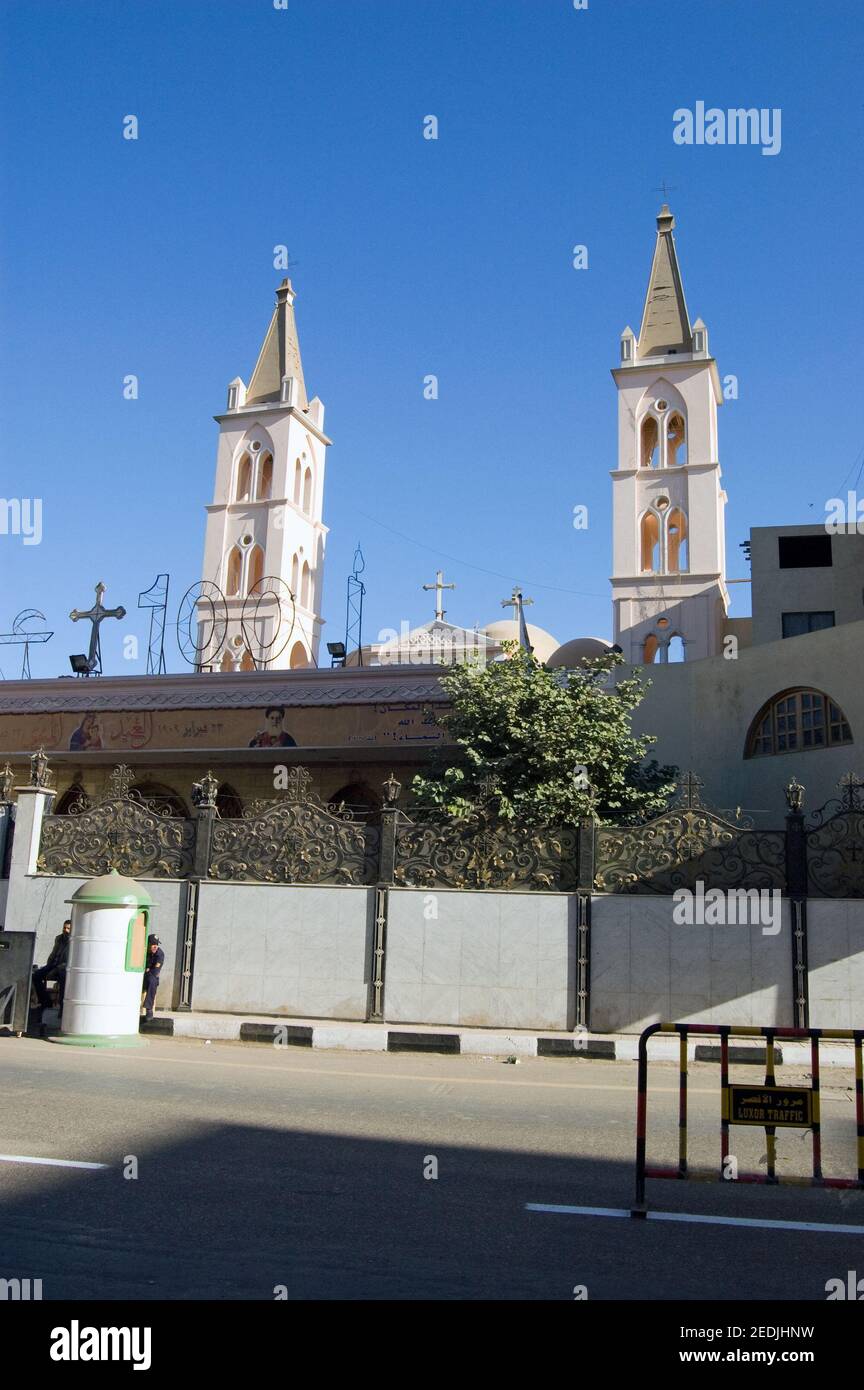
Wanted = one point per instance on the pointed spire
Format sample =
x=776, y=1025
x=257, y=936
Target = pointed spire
x=280, y=355
x=665, y=322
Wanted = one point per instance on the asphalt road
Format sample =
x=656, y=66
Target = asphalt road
x=261, y=1167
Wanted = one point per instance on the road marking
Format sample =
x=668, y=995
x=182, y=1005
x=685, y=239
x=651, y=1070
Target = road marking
x=99, y=1055
x=51, y=1162
x=701, y=1220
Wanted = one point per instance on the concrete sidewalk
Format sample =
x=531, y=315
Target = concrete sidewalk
x=349, y=1036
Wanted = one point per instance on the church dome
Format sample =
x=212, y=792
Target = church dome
x=571, y=655
x=507, y=630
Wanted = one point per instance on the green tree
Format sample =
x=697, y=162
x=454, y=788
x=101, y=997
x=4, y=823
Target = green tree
x=545, y=747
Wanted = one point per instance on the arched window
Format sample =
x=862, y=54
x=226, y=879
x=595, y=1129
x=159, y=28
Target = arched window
x=265, y=478
x=306, y=591
x=244, y=479
x=228, y=803
x=650, y=456
x=255, y=570
x=676, y=542
x=650, y=650
x=247, y=663
x=676, y=442
x=356, y=797
x=796, y=720
x=675, y=650
x=295, y=577
x=650, y=534
x=165, y=799
x=73, y=800
x=307, y=490
x=298, y=481
x=298, y=656
x=227, y=663
x=233, y=573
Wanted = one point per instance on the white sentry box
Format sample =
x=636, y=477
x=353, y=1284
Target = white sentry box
x=107, y=956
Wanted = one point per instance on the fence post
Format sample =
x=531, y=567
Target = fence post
x=796, y=888
x=386, y=868
x=584, y=889
x=6, y=804
x=204, y=801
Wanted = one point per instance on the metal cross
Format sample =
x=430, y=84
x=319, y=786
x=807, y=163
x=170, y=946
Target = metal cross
x=665, y=189
x=519, y=603
x=439, y=586
x=96, y=615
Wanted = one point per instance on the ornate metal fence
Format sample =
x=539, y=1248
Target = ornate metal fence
x=688, y=843
x=123, y=831
x=295, y=839
x=835, y=844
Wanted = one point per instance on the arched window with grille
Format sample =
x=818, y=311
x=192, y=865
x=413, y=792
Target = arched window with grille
x=797, y=720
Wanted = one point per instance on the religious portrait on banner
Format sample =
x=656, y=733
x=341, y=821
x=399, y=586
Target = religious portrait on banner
x=273, y=735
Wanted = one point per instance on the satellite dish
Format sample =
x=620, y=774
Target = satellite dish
x=269, y=605
x=202, y=623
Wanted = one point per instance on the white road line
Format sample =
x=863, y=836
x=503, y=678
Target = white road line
x=701, y=1220
x=51, y=1162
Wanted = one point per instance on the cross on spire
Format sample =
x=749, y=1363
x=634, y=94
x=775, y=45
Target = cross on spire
x=665, y=188
x=519, y=603
x=96, y=615
x=439, y=586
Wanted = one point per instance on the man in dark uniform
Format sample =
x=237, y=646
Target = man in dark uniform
x=155, y=961
x=54, y=969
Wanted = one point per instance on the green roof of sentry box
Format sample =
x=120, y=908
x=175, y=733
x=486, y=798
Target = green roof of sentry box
x=112, y=890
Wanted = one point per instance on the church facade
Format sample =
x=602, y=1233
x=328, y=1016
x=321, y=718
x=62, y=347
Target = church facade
x=748, y=703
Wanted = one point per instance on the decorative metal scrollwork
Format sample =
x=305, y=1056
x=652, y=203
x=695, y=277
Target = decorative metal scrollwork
x=686, y=844
x=123, y=831
x=295, y=839
x=835, y=843
x=482, y=851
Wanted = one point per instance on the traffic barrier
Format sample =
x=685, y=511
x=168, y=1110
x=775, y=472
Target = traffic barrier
x=769, y=1106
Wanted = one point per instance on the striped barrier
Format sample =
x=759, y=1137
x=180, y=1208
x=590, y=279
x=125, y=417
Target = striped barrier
x=767, y=1105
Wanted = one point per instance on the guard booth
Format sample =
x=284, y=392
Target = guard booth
x=107, y=958
x=17, y=949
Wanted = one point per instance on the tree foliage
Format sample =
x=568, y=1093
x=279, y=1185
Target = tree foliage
x=545, y=747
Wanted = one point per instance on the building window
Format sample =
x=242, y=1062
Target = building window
x=676, y=542
x=650, y=443
x=796, y=624
x=235, y=569
x=650, y=532
x=795, y=721
x=298, y=481
x=804, y=552
x=265, y=478
x=676, y=442
x=244, y=479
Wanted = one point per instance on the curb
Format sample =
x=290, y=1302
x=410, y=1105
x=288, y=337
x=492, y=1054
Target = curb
x=380, y=1037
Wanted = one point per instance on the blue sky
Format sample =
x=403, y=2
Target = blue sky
x=304, y=126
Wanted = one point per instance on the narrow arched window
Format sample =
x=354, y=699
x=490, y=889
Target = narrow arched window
x=233, y=573
x=298, y=482
x=306, y=591
x=244, y=479
x=676, y=442
x=265, y=478
x=295, y=577
x=227, y=663
x=650, y=536
x=796, y=720
x=649, y=651
x=676, y=542
x=247, y=663
x=650, y=436
x=255, y=569
x=675, y=648
x=307, y=491
x=298, y=656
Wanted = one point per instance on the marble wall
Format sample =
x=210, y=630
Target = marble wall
x=835, y=956
x=647, y=969
x=504, y=960
x=290, y=950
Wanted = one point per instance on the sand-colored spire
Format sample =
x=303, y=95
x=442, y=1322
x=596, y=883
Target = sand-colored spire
x=665, y=322
x=280, y=355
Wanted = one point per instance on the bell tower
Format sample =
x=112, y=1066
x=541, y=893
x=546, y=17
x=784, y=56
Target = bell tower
x=669, y=594
x=265, y=518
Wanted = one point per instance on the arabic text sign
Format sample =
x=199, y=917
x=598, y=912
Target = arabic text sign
x=782, y=1106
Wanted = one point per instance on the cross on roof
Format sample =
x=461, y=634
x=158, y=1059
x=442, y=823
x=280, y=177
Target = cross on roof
x=665, y=188
x=439, y=586
x=96, y=615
